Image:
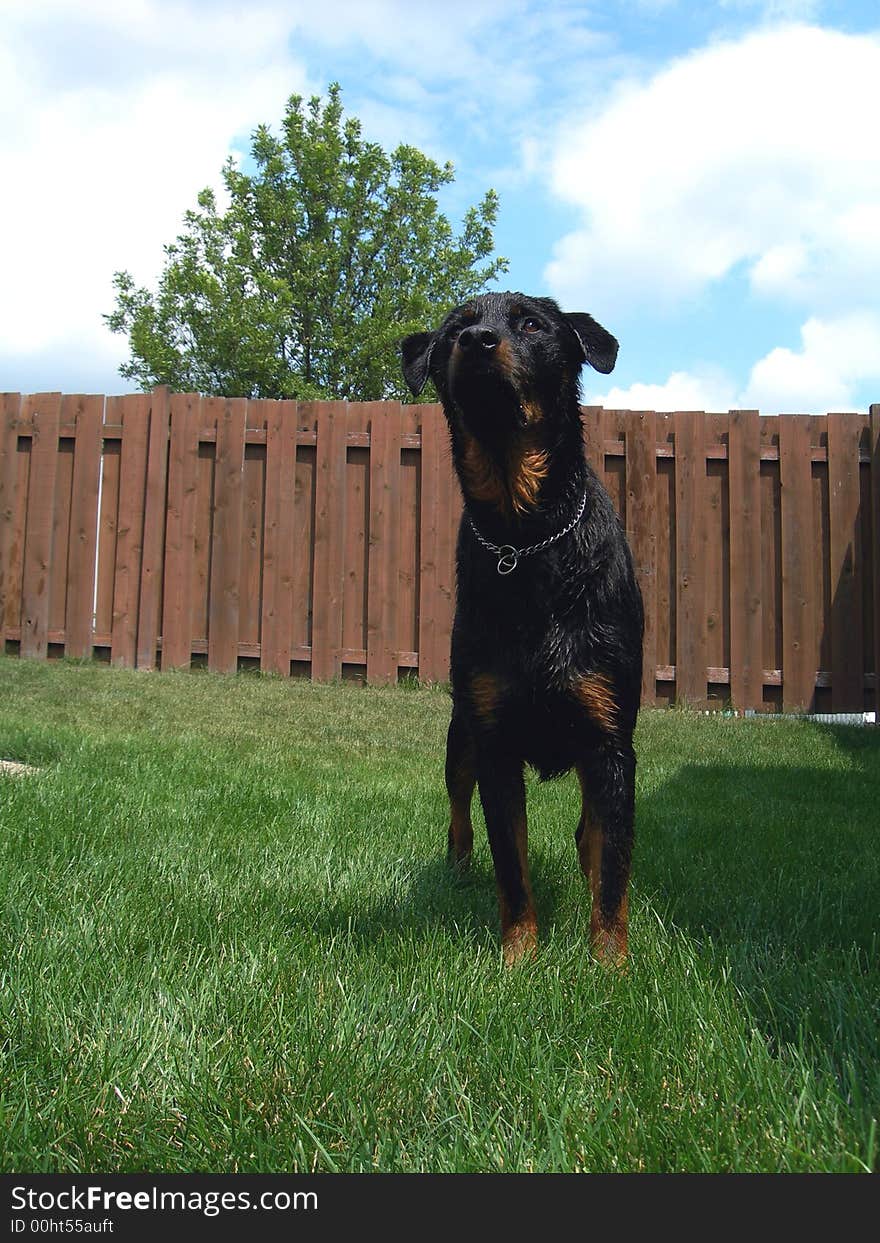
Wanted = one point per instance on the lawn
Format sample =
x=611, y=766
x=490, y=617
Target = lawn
x=230, y=943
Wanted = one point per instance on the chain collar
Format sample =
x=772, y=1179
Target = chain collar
x=508, y=556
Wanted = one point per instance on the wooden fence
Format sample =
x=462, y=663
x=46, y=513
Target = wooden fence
x=317, y=538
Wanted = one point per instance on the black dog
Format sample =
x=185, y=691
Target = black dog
x=547, y=639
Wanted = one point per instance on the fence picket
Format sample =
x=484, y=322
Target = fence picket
x=79, y=621
x=451, y=507
x=847, y=659
x=225, y=581
x=10, y=591
x=329, y=542
x=594, y=438
x=641, y=508
x=279, y=545
x=690, y=558
x=155, y=504
x=177, y=594
x=382, y=586
x=744, y=492
x=135, y=413
x=45, y=411
x=434, y=440
x=799, y=641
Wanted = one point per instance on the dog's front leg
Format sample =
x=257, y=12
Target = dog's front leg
x=605, y=841
x=503, y=796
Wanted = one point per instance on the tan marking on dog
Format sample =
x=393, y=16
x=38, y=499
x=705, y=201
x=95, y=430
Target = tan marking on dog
x=485, y=692
x=504, y=359
x=533, y=412
x=480, y=475
x=511, y=487
x=608, y=937
x=596, y=693
x=520, y=940
x=527, y=477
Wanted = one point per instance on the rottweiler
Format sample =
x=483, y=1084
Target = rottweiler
x=546, y=660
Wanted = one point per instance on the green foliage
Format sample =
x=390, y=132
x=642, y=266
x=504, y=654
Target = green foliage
x=325, y=256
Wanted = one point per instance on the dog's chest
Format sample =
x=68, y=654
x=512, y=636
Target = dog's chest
x=528, y=624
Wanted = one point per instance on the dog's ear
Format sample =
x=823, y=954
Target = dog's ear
x=416, y=351
x=598, y=345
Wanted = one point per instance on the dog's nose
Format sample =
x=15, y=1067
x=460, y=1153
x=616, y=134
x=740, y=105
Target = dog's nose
x=477, y=338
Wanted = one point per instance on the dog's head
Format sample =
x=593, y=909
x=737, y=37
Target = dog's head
x=505, y=360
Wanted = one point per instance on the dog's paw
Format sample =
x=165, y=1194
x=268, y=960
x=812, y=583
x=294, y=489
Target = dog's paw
x=609, y=947
x=520, y=941
x=458, y=863
x=459, y=842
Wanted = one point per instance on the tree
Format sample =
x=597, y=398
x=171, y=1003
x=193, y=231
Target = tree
x=325, y=256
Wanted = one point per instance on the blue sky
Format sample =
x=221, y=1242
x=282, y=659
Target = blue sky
x=702, y=178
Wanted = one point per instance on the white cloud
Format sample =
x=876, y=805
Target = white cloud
x=708, y=389
x=760, y=152
x=836, y=355
x=113, y=116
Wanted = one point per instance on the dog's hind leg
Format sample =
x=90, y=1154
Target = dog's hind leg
x=503, y=796
x=460, y=781
x=605, y=840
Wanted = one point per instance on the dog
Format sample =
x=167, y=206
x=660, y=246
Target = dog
x=546, y=659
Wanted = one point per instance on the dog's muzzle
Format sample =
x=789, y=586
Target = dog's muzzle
x=485, y=381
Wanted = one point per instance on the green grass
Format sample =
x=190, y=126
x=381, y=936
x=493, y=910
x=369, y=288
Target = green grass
x=230, y=943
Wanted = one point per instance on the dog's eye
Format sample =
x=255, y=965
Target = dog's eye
x=530, y=325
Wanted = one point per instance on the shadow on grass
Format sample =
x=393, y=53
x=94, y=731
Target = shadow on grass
x=775, y=870
x=435, y=897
